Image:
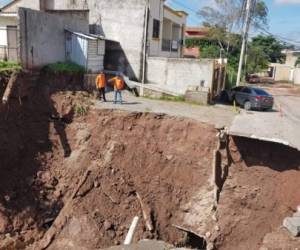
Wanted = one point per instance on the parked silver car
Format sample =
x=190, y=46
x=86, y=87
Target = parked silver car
x=249, y=98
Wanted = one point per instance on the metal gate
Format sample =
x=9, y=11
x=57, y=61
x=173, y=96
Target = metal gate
x=9, y=44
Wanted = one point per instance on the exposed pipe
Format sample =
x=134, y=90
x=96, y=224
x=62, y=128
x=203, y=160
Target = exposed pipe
x=131, y=231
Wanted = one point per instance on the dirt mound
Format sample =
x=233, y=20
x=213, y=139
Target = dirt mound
x=261, y=190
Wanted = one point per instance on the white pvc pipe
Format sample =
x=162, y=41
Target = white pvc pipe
x=131, y=231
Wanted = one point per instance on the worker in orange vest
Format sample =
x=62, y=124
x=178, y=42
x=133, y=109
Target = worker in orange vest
x=101, y=84
x=119, y=85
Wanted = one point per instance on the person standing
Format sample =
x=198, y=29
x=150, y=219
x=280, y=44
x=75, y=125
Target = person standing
x=119, y=85
x=100, y=85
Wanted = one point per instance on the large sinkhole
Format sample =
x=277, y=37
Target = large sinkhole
x=79, y=178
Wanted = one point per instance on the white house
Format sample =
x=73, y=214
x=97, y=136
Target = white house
x=9, y=27
x=287, y=71
x=123, y=21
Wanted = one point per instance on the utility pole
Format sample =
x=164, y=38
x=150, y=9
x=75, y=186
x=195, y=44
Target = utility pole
x=245, y=37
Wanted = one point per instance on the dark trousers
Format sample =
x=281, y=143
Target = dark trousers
x=102, y=94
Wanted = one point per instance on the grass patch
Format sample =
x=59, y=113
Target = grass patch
x=81, y=110
x=4, y=65
x=64, y=68
x=167, y=98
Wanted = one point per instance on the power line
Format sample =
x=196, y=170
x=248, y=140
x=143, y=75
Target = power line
x=189, y=9
x=185, y=6
x=280, y=38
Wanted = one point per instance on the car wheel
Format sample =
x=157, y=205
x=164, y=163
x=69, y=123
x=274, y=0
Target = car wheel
x=247, y=105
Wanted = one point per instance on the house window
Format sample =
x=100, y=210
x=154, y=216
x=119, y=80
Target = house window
x=156, y=28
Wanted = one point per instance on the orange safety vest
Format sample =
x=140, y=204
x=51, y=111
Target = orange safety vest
x=100, y=81
x=119, y=83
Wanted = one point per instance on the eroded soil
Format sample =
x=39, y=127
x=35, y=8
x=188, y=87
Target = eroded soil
x=73, y=177
x=52, y=142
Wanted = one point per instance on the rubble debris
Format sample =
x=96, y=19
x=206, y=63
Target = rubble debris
x=4, y=223
x=10, y=87
x=146, y=211
x=293, y=225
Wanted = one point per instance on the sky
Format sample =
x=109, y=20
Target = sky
x=284, y=15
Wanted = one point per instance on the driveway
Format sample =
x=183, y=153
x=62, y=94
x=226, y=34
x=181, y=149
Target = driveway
x=217, y=115
x=280, y=125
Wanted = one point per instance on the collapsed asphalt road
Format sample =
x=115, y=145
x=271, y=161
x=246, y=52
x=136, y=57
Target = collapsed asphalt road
x=279, y=125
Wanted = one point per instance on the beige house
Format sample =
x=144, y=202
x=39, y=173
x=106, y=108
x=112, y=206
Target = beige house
x=166, y=30
x=287, y=72
x=291, y=57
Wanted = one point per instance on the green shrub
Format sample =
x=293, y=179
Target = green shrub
x=297, y=63
x=9, y=65
x=81, y=110
x=64, y=67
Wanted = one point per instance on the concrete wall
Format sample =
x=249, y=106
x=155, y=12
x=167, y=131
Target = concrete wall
x=282, y=72
x=297, y=76
x=79, y=14
x=122, y=21
x=42, y=36
x=179, y=74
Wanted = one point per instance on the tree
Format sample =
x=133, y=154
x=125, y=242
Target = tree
x=297, y=63
x=271, y=47
x=210, y=51
x=227, y=16
x=257, y=60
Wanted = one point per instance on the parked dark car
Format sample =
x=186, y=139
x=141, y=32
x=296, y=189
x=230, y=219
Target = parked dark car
x=252, y=79
x=249, y=98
